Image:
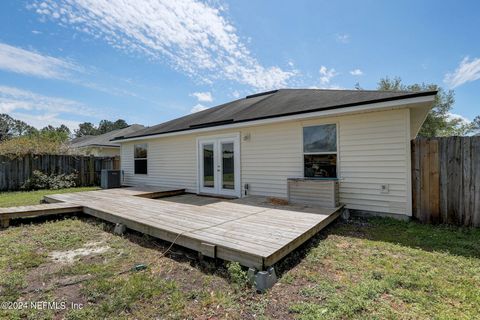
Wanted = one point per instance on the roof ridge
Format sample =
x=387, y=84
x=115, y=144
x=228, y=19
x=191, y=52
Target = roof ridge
x=356, y=90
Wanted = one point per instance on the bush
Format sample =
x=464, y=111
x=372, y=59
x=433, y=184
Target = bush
x=40, y=180
x=237, y=275
x=34, y=144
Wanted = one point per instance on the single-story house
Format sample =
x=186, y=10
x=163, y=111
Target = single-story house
x=102, y=145
x=256, y=145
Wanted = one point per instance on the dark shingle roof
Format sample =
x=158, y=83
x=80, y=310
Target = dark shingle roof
x=272, y=104
x=104, y=140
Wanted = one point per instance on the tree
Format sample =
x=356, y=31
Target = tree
x=86, y=129
x=104, y=126
x=10, y=127
x=60, y=134
x=439, y=121
x=476, y=125
x=22, y=139
x=120, y=124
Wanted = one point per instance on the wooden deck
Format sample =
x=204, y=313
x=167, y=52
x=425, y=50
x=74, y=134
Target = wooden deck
x=250, y=230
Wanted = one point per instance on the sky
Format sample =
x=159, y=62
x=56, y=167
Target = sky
x=149, y=61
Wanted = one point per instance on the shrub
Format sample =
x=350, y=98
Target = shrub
x=237, y=275
x=34, y=144
x=40, y=180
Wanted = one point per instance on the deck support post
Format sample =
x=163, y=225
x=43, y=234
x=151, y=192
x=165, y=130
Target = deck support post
x=345, y=214
x=120, y=229
x=4, y=222
x=263, y=280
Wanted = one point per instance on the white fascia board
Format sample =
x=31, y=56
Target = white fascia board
x=97, y=146
x=396, y=104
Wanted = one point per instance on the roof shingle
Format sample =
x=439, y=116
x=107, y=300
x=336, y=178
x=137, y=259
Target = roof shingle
x=272, y=104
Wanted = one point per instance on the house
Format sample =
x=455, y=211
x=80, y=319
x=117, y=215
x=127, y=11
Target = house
x=101, y=145
x=254, y=145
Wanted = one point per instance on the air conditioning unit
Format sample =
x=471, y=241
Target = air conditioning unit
x=110, y=179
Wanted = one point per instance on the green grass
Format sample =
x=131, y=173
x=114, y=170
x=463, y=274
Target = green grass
x=25, y=198
x=364, y=269
x=391, y=269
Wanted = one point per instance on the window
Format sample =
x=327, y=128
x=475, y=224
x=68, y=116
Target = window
x=320, y=151
x=140, y=158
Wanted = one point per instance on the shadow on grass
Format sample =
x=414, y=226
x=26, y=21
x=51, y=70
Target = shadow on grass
x=460, y=241
x=432, y=238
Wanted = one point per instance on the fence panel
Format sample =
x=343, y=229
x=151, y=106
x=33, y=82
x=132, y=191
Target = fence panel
x=446, y=180
x=15, y=171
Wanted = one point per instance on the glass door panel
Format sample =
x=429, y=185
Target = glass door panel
x=218, y=167
x=228, y=165
x=208, y=165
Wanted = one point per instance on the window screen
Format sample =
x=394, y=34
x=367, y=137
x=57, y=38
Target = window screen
x=320, y=151
x=140, y=158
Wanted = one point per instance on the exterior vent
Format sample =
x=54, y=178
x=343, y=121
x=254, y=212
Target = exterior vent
x=260, y=94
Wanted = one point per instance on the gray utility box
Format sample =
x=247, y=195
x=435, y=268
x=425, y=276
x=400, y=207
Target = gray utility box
x=319, y=192
x=110, y=179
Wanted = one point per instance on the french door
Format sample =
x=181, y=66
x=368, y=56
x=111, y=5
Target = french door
x=219, y=165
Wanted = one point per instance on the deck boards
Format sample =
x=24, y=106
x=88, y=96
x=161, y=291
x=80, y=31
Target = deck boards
x=248, y=230
x=38, y=210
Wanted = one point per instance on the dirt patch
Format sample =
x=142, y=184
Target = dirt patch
x=69, y=256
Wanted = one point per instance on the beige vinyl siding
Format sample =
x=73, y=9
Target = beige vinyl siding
x=374, y=152
x=99, y=151
x=373, y=149
x=273, y=154
x=171, y=162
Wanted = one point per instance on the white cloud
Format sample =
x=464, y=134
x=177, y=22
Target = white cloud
x=236, y=94
x=12, y=99
x=39, y=110
x=34, y=64
x=342, y=37
x=30, y=63
x=468, y=70
x=326, y=75
x=192, y=36
x=43, y=120
x=356, y=72
x=203, y=96
x=453, y=116
x=197, y=108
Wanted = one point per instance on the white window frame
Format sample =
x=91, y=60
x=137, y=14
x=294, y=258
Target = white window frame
x=337, y=171
x=134, y=158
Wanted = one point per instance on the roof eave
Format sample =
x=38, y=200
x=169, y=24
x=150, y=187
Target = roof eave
x=97, y=146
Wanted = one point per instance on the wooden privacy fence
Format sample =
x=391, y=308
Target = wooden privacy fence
x=446, y=180
x=15, y=171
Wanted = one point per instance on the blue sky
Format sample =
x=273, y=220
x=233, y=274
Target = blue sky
x=70, y=61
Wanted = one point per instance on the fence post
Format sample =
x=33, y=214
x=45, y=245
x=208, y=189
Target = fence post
x=434, y=181
x=91, y=170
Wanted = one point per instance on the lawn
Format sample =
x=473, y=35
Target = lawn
x=22, y=198
x=364, y=268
